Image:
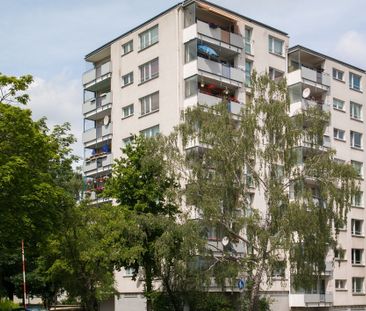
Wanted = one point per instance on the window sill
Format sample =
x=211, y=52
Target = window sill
x=340, y=260
x=356, y=119
x=129, y=116
x=356, y=90
x=358, y=236
x=341, y=140
x=358, y=265
x=123, y=86
x=358, y=206
x=145, y=81
x=357, y=148
x=127, y=53
x=341, y=289
x=358, y=294
x=149, y=113
x=339, y=80
x=146, y=47
x=340, y=110
x=278, y=55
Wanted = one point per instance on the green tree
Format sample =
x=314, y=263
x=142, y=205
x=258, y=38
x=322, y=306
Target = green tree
x=34, y=168
x=303, y=194
x=145, y=190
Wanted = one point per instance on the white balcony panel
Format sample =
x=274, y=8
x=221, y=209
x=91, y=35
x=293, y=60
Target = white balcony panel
x=89, y=76
x=96, y=106
x=96, y=135
x=310, y=76
x=93, y=78
x=190, y=33
x=210, y=100
x=222, y=72
x=306, y=300
x=89, y=135
x=190, y=101
x=98, y=165
x=304, y=104
x=190, y=69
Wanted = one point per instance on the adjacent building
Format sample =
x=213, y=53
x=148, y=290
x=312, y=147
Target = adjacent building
x=198, y=52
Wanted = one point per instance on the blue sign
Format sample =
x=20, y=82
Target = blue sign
x=241, y=284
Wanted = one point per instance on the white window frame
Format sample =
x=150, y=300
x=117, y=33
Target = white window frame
x=151, y=131
x=127, y=47
x=148, y=105
x=338, y=74
x=352, y=84
x=338, y=104
x=272, y=45
x=248, y=40
x=357, y=199
x=357, y=256
x=272, y=72
x=341, y=284
x=357, y=227
x=358, y=289
x=355, y=110
x=358, y=166
x=149, y=37
x=149, y=70
x=354, y=143
x=339, y=134
x=127, y=79
x=340, y=254
x=128, y=111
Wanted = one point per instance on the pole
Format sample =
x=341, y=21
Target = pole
x=24, y=286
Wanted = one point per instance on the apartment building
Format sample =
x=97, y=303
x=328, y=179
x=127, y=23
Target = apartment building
x=198, y=52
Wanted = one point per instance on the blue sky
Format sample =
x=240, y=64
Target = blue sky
x=49, y=38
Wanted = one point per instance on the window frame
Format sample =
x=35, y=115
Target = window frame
x=150, y=131
x=338, y=137
x=352, y=110
x=271, y=45
x=146, y=73
x=128, y=45
x=357, y=256
x=129, y=77
x=272, y=75
x=357, y=227
x=335, y=74
x=130, y=112
x=355, y=289
x=354, y=134
x=341, y=282
x=150, y=40
x=147, y=106
x=359, y=201
x=352, y=84
x=358, y=166
x=337, y=101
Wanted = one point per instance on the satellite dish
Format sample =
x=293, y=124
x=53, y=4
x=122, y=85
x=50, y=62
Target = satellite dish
x=106, y=120
x=306, y=93
x=225, y=241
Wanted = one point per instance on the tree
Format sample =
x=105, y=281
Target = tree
x=34, y=168
x=145, y=190
x=302, y=196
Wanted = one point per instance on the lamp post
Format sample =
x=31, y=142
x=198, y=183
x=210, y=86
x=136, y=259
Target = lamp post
x=24, y=286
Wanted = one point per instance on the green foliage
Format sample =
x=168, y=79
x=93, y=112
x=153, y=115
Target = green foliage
x=7, y=305
x=283, y=158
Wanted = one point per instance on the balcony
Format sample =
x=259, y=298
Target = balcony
x=210, y=100
x=309, y=77
x=220, y=72
x=98, y=78
x=311, y=300
x=97, y=135
x=97, y=108
x=97, y=164
x=305, y=104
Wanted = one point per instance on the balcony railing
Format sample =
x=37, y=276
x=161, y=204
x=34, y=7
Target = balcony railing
x=97, y=164
x=306, y=300
x=306, y=104
x=221, y=70
x=97, y=134
x=97, y=77
x=311, y=75
x=318, y=298
x=210, y=100
x=98, y=103
x=219, y=34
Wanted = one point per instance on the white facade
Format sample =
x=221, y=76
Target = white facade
x=143, y=80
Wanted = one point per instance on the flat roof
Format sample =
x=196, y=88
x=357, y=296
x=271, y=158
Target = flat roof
x=300, y=47
x=173, y=7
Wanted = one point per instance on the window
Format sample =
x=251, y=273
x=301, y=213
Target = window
x=151, y=131
x=338, y=104
x=357, y=199
x=149, y=37
x=279, y=268
x=358, y=166
x=340, y=284
x=357, y=256
x=127, y=111
x=248, y=40
x=190, y=51
x=248, y=72
x=339, y=254
x=129, y=272
x=338, y=74
x=357, y=285
x=275, y=74
x=127, y=47
x=149, y=70
x=149, y=103
x=128, y=140
x=339, y=134
x=356, y=226
x=356, y=140
x=354, y=81
x=275, y=45
x=127, y=79
x=190, y=86
x=356, y=111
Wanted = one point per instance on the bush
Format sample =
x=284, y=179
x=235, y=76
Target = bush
x=7, y=305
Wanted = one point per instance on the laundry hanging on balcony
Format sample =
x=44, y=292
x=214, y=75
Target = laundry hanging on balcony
x=205, y=49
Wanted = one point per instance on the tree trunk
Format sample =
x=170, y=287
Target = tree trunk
x=148, y=286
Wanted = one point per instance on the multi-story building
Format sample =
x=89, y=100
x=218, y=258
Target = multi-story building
x=198, y=52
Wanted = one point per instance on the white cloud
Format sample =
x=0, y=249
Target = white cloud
x=59, y=100
x=351, y=47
